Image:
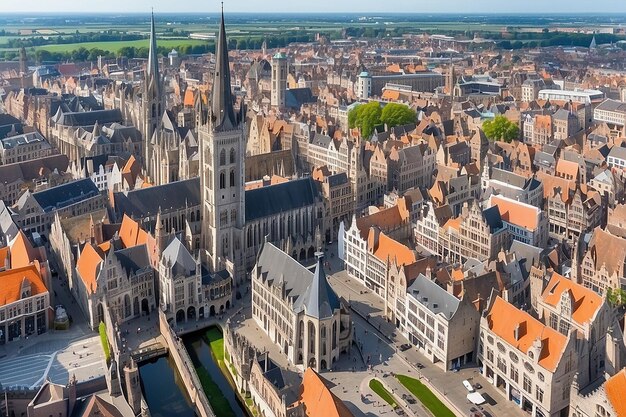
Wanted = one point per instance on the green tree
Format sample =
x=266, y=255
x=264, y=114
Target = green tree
x=365, y=117
x=501, y=128
x=616, y=297
x=395, y=114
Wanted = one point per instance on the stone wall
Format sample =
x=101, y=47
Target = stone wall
x=185, y=368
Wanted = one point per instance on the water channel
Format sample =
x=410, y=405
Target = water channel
x=165, y=394
x=200, y=352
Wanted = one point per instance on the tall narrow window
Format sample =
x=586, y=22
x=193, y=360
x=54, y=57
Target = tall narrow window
x=232, y=155
x=232, y=177
x=222, y=180
x=223, y=157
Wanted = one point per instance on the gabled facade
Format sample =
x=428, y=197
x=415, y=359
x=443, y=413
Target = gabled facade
x=299, y=310
x=530, y=363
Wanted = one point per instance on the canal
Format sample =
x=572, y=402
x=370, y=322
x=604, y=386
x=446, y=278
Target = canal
x=220, y=393
x=163, y=391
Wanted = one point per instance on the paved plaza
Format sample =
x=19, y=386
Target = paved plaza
x=55, y=355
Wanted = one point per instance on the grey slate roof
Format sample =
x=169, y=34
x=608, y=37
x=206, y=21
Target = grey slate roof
x=181, y=261
x=618, y=152
x=133, y=259
x=310, y=293
x=321, y=140
x=337, y=179
x=296, y=97
x=320, y=300
x=8, y=227
x=433, y=297
x=266, y=201
x=29, y=170
x=169, y=197
x=88, y=118
x=66, y=194
x=612, y=105
x=493, y=219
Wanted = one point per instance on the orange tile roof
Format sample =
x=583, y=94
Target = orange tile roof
x=386, y=219
x=87, y=267
x=567, y=169
x=503, y=318
x=3, y=256
x=131, y=234
x=190, y=98
x=391, y=95
x=454, y=223
x=586, y=301
x=11, y=283
x=317, y=399
x=544, y=122
x=393, y=68
x=390, y=249
x=22, y=251
x=514, y=212
x=615, y=389
x=457, y=274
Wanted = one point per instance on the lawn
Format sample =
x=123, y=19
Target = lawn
x=382, y=392
x=425, y=396
x=105, y=342
x=216, y=341
x=115, y=46
x=215, y=396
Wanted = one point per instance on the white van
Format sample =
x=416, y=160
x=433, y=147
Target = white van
x=468, y=386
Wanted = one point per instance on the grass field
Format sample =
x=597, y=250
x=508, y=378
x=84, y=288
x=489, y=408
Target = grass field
x=117, y=45
x=382, y=392
x=425, y=396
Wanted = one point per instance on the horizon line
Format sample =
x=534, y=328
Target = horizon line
x=381, y=13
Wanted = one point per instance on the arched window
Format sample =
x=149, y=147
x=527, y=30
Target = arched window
x=334, y=335
x=232, y=177
x=193, y=217
x=311, y=338
x=233, y=216
x=223, y=157
x=232, y=155
x=222, y=180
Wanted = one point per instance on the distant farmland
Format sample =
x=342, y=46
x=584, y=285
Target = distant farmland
x=117, y=45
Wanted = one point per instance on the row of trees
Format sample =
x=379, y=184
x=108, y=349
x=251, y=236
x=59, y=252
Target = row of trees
x=32, y=41
x=366, y=117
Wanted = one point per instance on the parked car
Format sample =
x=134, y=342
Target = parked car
x=419, y=365
x=478, y=386
x=468, y=386
x=405, y=347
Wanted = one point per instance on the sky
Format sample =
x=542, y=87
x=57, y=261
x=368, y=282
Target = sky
x=355, y=6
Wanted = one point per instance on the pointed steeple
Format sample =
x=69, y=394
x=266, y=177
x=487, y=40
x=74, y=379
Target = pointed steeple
x=222, y=112
x=320, y=300
x=152, y=70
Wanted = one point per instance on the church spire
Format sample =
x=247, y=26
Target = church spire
x=222, y=112
x=153, y=67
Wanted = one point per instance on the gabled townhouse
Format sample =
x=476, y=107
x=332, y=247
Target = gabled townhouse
x=118, y=274
x=442, y=326
x=477, y=233
x=602, y=265
x=568, y=307
x=525, y=223
x=528, y=362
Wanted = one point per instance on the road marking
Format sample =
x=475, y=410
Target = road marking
x=45, y=374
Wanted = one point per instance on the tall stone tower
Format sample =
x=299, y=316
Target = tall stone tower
x=222, y=153
x=279, y=80
x=152, y=100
